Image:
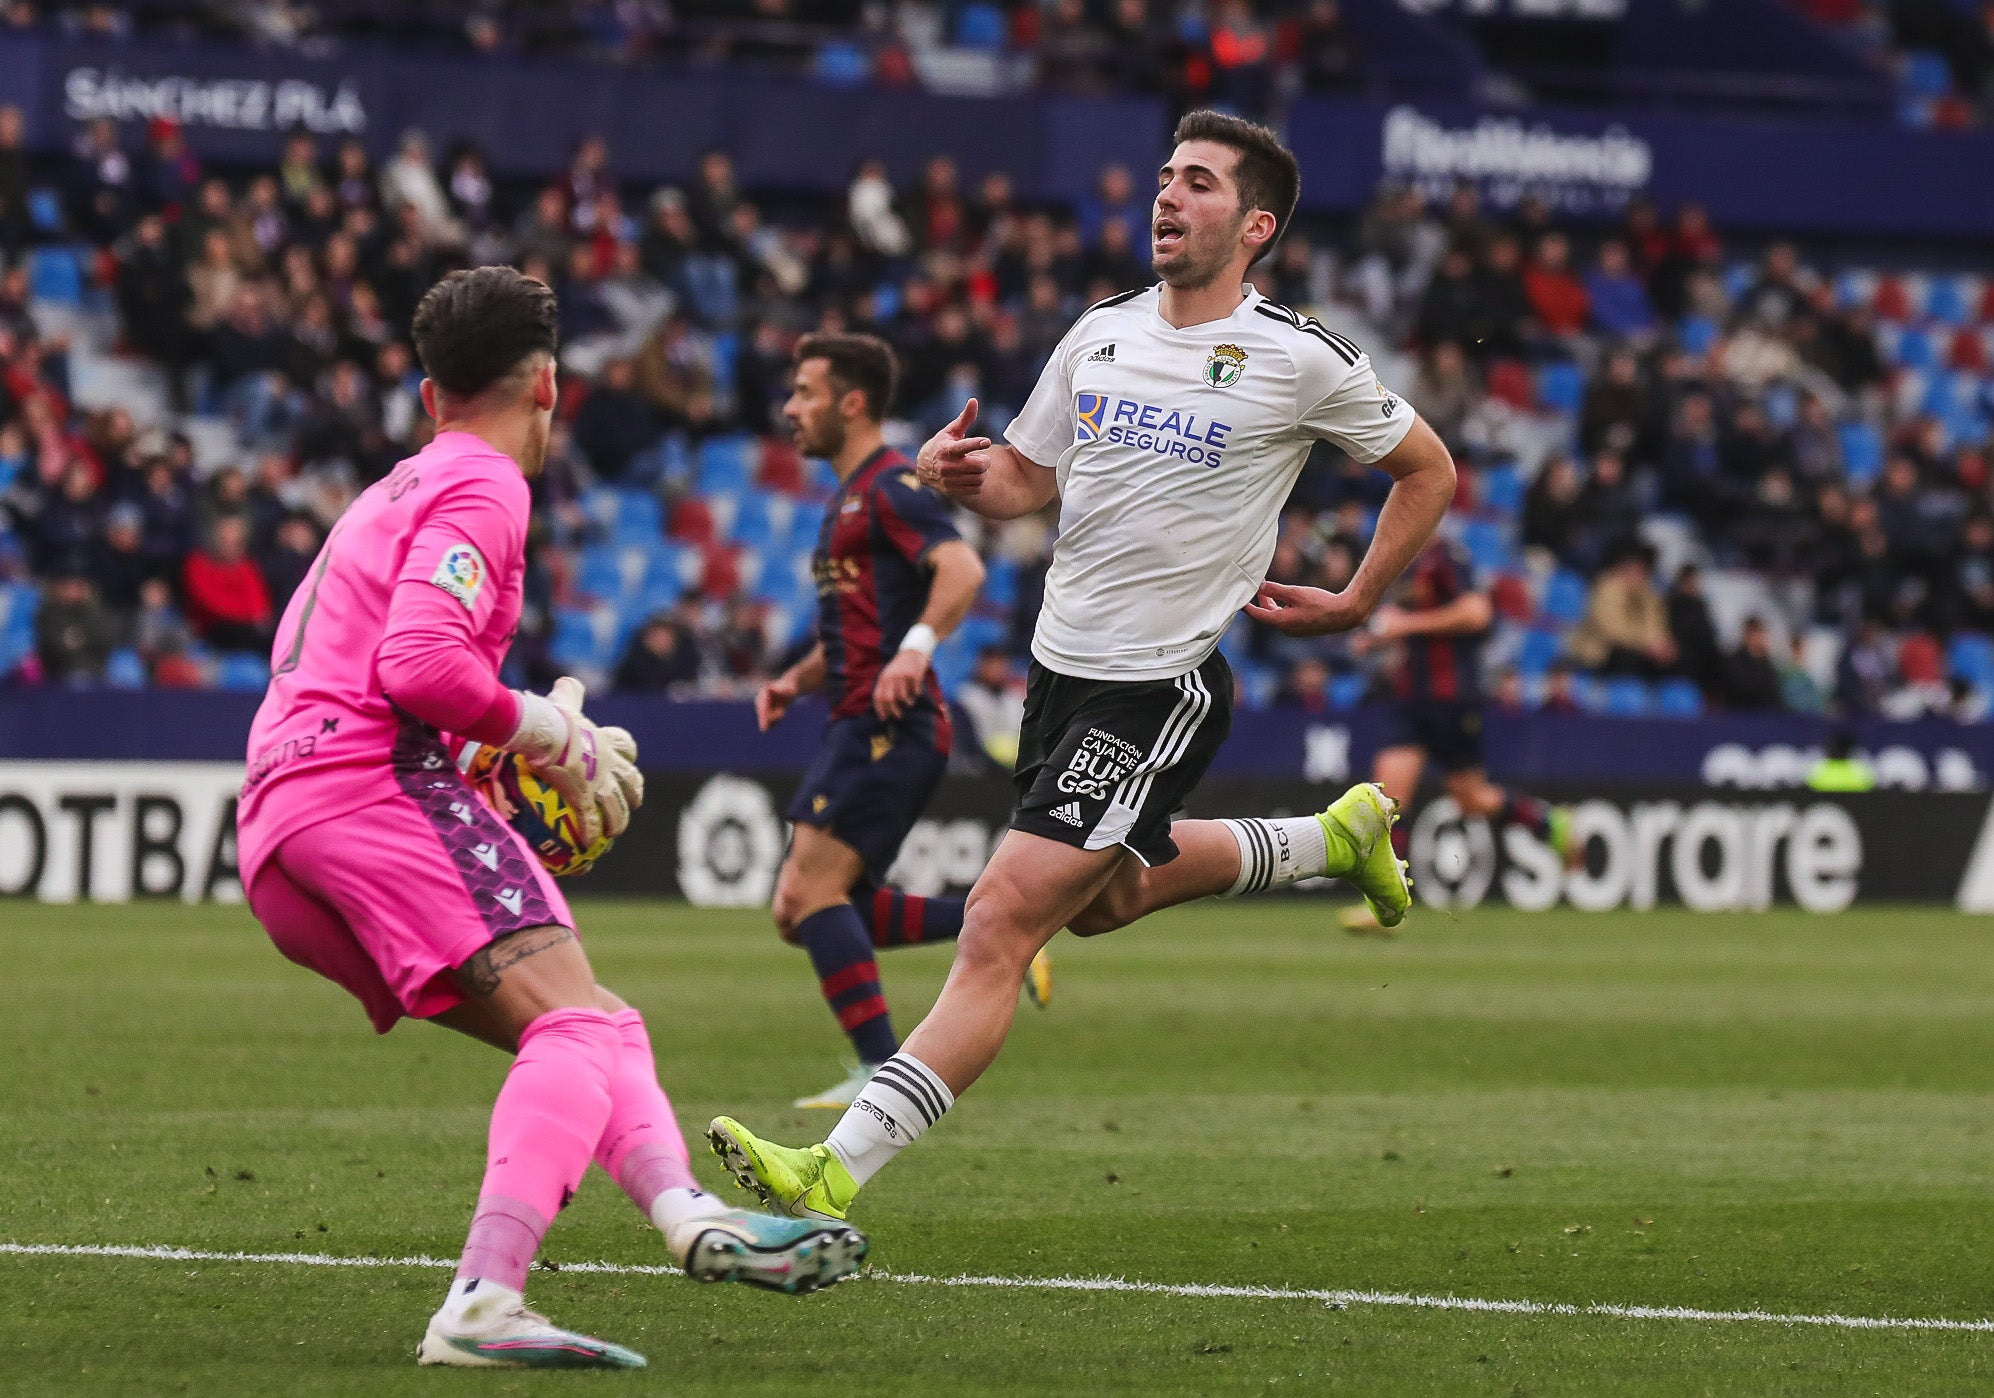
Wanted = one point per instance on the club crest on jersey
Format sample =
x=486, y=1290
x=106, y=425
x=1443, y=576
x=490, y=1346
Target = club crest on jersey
x=461, y=572
x=1226, y=364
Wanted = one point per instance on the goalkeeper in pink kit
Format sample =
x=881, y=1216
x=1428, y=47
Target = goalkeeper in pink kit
x=369, y=860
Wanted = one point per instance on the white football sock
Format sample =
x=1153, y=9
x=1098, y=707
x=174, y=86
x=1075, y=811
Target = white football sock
x=1276, y=852
x=474, y=1300
x=675, y=1206
x=891, y=1112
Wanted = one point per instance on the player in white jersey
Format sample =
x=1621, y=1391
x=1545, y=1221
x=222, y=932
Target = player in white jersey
x=1170, y=424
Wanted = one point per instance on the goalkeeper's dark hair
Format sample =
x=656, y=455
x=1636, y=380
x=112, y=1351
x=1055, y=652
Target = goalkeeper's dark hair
x=1268, y=175
x=477, y=326
x=862, y=362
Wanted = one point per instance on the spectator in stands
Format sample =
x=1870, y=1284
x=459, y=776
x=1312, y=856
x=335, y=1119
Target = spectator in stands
x=1325, y=54
x=1507, y=694
x=1560, y=690
x=120, y=567
x=1617, y=298
x=1751, y=679
x=1699, y=657
x=869, y=205
x=1799, y=691
x=228, y=603
x=1626, y=629
x=1551, y=508
x=1451, y=310
x=1558, y=298
x=288, y=560
x=1609, y=510
x=1505, y=302
x=1305, y=687
x=16, y=220
x=66, y=527
x=614, y=422
x=1867, y=672
x=74, y=633
x=994, y=698
x=660, y=660
x=1445, y=392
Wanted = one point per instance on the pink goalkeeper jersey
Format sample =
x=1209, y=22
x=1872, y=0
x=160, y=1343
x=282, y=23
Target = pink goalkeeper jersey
x=421, y=578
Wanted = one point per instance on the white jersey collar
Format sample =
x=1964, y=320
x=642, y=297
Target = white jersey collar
x=1204, y=328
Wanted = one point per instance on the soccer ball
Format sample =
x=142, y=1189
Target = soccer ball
x=534, y=809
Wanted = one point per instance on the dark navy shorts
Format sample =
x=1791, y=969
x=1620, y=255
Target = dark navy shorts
x=1450, y=731
x=870, y=781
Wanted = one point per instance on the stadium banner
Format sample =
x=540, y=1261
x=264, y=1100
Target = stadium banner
x=1743, y=751
x=718, y=841
x=236, y=103
x=1589, y=163
x=118, y=831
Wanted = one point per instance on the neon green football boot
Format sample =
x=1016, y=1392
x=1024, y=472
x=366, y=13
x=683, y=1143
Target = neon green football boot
x=1358, y=829
x=809, y=1183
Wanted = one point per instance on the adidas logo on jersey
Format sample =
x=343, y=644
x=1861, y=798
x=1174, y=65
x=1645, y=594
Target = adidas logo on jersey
x=1103, y=355
x=1070, y=813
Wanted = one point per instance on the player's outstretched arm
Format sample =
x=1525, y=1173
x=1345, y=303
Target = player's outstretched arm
x=993, y=480
x=1470, y=614
x=958, y=578
x=773, y=699
x=1422, y=475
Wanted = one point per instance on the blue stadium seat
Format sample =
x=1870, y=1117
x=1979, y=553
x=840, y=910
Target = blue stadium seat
x=1971, y=658
x=1502, y=490
x=1738, y=279
x=125, y=669
x=1679, y=699
x=1347, y=691
x=1487, y=544
x=1948, y=303
x=980, y=26
x=1915, y=350
x=726, y=464
x=1000, y=584
x=842, y=65
x=1539, y=652
x=1925, y=74
x=600, y=572
x=1564, y=598
x=639, y=517
x=55, y=275
x=1261, y=684
x=751, y=525
x=1697, y=334
x=246, y=674
x=1862, y=451
x=578, y=640
x=1625, y=698
x=45, y=210
x=1561, y=388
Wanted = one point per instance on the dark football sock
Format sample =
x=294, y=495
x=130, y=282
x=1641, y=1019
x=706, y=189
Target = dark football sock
x=841, y=951
x=1527, y=811
x=898, y=918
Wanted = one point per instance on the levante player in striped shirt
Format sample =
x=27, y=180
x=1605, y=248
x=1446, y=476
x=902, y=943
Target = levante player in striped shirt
x=893, y=578
x=1438, y=623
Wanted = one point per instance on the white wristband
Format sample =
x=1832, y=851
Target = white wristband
x=921, y=637
x=543, y=730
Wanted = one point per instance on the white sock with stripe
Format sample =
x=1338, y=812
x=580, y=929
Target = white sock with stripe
x=892, y=1112
x=1276, y=852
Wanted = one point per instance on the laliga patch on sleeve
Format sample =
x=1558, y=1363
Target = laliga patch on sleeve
x=461, y=573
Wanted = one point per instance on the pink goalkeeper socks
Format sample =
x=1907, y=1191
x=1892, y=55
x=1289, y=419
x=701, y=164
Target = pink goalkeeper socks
x=641, y=1148
x=545, y=1125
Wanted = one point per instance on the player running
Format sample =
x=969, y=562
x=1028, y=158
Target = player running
x=1171, y=424
x=1438, y=626
x=369, y=860
x=893, y=580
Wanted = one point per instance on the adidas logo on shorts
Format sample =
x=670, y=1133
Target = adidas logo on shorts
x=1070, y=813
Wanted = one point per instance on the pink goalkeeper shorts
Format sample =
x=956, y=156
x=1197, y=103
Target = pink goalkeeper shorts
x=388, y=900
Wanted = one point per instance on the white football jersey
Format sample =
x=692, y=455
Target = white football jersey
x=1175, y=451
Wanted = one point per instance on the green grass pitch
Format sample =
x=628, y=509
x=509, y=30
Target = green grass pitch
x=1774, y=1112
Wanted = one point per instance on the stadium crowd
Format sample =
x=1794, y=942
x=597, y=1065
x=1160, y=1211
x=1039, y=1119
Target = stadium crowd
x=1648, y=427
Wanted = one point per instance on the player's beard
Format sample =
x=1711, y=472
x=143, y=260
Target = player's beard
x=1202, y=256
x=826, y=440
x=533, y=450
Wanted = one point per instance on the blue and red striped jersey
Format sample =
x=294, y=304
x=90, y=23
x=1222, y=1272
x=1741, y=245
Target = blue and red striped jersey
x=1439, y=667
x=872, y=582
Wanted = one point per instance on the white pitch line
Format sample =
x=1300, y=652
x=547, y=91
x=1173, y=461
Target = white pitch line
x=1338, y=1298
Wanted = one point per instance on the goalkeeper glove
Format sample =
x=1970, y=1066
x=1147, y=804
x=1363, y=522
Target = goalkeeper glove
x=593, y=769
